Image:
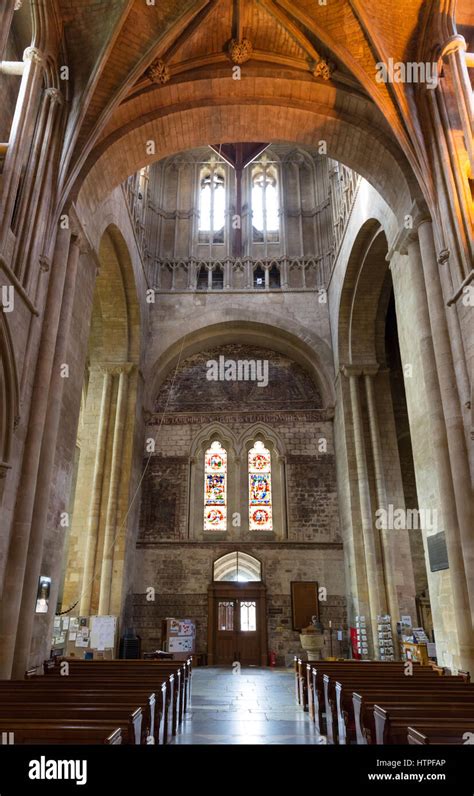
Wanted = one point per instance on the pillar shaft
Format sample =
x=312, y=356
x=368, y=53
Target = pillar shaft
x=20, y=135
x=20, y=536
x=45, y=471
x=93, y=519
x=113, y=497
x=386, y=534
x=438, y=435
x=376, y=599
x=30, y=221
x=450, y=402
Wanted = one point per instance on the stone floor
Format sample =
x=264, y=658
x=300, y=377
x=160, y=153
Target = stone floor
x=256, y=706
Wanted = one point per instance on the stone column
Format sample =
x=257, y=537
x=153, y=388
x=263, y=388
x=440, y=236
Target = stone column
x=20, y=536
x=7, y=9
x=454, y=52
x=458, y=583
x=450, y=401
x=20, y=135
x=46, y=146
x=114, y=487
x=375, y=593
x=386, y=534
x=45, y=470
x=93, y=517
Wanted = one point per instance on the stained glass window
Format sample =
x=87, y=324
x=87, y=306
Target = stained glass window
x=215, y=488
x=260, y=488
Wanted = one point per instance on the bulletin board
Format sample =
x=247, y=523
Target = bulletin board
x=73, y=636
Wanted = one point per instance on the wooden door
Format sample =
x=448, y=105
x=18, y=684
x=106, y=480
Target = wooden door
x=237, y=624
x=248, y=634
x=226, y=629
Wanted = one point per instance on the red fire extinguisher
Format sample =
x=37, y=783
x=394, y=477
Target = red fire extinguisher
x=272, y=658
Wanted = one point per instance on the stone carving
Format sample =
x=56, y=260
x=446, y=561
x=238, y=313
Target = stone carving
x=158, y=72
x=44, y=263
x=323, y=68
x=185, y=419
x=240, y=51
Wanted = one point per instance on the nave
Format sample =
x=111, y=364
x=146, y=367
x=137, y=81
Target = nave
x=255, y=706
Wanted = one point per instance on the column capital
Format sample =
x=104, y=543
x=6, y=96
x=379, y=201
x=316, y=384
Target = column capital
x=406, y=235
x=370, y=370
x=55, y=95
x=351, y=370
x=33, y=54
x=360, y=369
x=116, y=368
x=452, y=45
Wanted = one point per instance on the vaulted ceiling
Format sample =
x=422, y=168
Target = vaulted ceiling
x=140, y=62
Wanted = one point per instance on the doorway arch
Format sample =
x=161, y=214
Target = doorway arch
x=237, y=611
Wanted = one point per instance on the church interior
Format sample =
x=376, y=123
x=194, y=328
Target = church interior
x=236, y=372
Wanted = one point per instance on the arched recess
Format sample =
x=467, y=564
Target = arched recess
x=359, y=302
x=277, y=334
x=256, y=112
x=237, y=566
x=9, y=398
x=94, y=574
x=372, y=422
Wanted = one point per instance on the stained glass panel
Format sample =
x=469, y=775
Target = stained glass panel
x=260, y=488
x=215, y=488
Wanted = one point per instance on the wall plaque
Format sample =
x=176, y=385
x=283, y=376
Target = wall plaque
x=437, y=552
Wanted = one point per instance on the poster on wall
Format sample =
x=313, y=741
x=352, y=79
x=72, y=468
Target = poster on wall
x=42, y=596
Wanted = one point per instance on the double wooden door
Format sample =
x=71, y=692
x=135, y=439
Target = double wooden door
x=237, y=624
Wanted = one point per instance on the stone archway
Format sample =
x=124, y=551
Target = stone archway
x=379, y=559
x=94, y=576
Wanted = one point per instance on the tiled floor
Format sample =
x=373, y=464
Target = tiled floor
x=256, y=706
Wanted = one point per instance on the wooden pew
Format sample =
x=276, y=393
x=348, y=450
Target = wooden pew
x=364, y=705
x=42, y=690
x=392, y=720
x=152, y=673
x=181, y=672
x=58, y=732
x=129, y=723
x=392, y=685
x=325, y=676
x=444, y=731
x=314, y=691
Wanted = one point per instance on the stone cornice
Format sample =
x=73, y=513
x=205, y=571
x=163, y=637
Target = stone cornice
x=203, y=418
x=243, y=546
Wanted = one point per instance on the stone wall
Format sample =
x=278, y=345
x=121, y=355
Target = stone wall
x=181, y=575
x=290, y=411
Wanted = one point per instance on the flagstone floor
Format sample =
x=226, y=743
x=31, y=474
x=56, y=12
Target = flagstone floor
x=256, y=706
